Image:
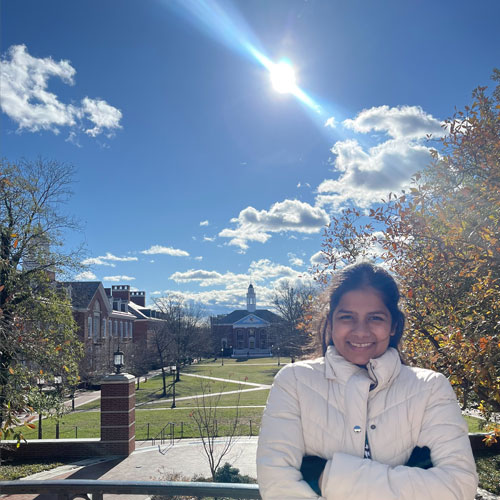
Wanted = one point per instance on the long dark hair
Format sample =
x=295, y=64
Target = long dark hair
x=355, y=277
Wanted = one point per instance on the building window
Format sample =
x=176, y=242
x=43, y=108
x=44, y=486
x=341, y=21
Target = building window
x=240, y=339
x=263, y=341
x=89, y=327
x=97, y=319
x=121, y=329
x=110, y=327
x=131, y=331
x=116, y=328
x=104, y=328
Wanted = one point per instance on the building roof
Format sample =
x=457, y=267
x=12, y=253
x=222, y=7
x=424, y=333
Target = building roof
x=82, y=292
x=235, y=316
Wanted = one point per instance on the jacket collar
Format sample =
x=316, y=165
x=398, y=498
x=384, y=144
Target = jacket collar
x=381, y=370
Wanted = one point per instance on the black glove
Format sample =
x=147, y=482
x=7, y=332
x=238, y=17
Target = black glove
x=420, y=457
x=311, y=469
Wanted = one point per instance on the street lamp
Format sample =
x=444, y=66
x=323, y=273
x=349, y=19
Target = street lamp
x=40, y=383
x=222, y=356
x=173, y=369
x=58, y=384
x=279, y=356
x=118, y=360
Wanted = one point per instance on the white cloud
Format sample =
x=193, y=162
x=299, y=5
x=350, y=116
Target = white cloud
x=228, y=290
x=368, y=176
x=110, y=256
x=158, y=249
x=208, y=238
x=86, y=276
x=204, y=223
x=118, y=278
x=294, y=260
x=288, y=215
x=198, y=258
x=331, y=123
x=103, y=260
x=403, y=122
x=101, y=114
x=96, y=261
x=26, y=100
x=318, y=258
x=196, y=275
x=259, y=271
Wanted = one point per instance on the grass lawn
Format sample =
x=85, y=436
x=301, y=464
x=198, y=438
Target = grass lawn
x=256, y=373
x=88, y=423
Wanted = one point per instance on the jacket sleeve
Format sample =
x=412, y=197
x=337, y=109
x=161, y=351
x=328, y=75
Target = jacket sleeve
x=452, y=477
x=281, y=444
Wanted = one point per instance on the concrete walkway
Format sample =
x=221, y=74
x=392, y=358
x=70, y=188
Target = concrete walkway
x=180, y=461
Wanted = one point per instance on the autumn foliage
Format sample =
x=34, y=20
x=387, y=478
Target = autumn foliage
x=441, y=238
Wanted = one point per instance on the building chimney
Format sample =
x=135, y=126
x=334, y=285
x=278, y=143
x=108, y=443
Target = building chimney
x=121, y=292
x=138, y=298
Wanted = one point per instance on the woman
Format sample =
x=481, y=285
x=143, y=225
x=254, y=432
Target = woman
x=362, y=411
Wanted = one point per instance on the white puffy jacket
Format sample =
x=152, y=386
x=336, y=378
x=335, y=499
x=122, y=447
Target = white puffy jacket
x=314, y=408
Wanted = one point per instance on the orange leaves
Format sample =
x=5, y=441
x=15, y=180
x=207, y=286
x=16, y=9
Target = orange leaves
x=483, y=342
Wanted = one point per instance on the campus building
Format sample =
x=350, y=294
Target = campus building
x=111, y=319
x=246, y=332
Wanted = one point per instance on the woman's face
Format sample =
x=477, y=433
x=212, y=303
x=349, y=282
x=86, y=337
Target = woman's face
x=361, y=326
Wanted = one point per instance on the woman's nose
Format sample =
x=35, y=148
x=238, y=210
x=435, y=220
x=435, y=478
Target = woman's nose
x=361, y=328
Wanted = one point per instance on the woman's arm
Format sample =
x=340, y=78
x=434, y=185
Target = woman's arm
x=281, y=444
x=452, y=477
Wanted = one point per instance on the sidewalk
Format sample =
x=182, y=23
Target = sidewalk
x=152, y=463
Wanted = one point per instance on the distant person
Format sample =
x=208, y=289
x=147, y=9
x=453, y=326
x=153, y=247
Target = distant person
x=356, y=423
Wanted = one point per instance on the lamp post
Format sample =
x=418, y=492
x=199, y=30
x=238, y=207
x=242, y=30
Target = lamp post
x=279, y=356
x=58, y=384
x=118, y=360
x=174, y=369
x=222, y=356
x=40, y=383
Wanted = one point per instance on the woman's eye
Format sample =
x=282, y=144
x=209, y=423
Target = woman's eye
x=344, y=317
x=377, y=318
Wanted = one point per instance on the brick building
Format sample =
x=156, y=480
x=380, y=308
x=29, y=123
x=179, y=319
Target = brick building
x=109, y=319
x=246, y=332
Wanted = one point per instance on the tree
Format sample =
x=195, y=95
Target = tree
x=36, y=324
x=209, y=423
x=181, y=334
x=184, y=327
x=442, y=240
x=292, y=304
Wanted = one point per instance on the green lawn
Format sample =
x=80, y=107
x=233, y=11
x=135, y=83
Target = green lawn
x=238, y=371
x=88, y=423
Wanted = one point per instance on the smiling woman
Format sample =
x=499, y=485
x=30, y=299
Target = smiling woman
x=283, y=77
x=357, y=423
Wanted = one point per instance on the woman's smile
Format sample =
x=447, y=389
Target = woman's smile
x=361, y=326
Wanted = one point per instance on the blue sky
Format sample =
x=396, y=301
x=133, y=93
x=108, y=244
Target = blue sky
x=194, y=175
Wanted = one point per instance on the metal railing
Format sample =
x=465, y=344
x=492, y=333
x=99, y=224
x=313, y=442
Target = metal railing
x=95, y=489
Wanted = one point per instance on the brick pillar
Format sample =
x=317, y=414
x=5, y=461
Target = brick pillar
x=118, y=414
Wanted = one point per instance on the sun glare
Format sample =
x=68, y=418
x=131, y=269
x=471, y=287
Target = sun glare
x=283, y=77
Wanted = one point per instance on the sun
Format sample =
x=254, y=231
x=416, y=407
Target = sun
x=283, y=77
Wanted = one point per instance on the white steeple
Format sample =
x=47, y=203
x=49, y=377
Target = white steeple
x=251, y=299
